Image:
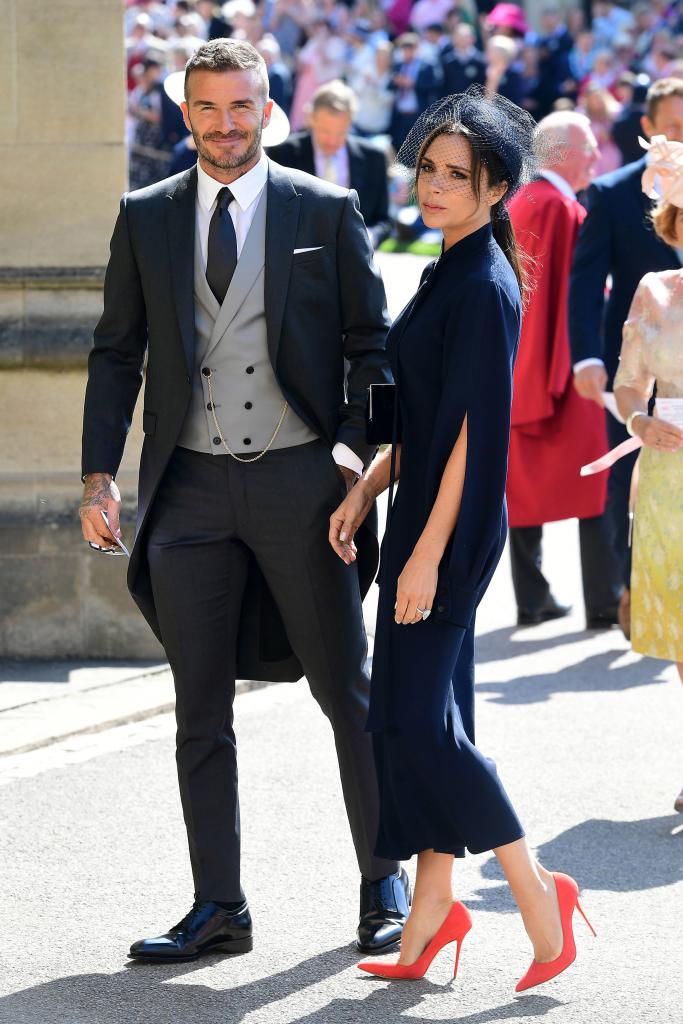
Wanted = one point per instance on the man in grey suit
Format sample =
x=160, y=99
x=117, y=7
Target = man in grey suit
x=249, y=288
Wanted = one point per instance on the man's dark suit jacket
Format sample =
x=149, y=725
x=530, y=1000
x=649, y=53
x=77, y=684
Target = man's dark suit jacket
x=616, y=238
x=367, y=171
x=322, y=307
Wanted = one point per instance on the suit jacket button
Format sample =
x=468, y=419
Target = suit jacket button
x=209, y=406
x=206, y=371
x=246, y=440
x=247, y=405
x=250, y=369
x=216, y=440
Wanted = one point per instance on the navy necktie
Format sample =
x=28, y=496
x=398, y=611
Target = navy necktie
x=222, y=249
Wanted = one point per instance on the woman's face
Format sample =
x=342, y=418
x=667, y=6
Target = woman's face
x=444, y=187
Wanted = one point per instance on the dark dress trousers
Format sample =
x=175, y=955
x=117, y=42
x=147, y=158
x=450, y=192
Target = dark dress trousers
x=367, y=173
x=231, y=565
x=452, y=354
x=617, y=239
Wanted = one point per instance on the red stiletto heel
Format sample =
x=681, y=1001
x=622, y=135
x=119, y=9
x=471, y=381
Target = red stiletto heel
x=568, y=899
x=454, y=929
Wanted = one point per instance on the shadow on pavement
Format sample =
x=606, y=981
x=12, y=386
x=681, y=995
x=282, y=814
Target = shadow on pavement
x=497, y=644
x=141, y=993
x=599, y=854
x=592, y=675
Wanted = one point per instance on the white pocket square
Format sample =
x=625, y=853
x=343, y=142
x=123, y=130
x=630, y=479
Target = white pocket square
x=312, y=248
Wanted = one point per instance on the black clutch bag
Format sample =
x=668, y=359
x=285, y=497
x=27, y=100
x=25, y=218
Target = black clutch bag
x=381, y=416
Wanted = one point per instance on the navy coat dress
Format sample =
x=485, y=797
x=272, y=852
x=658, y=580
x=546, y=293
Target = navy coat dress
x=452, y=351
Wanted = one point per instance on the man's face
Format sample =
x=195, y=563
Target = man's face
x=668, y=119
x=226, y=113
x=580, y=158
x=330, y=130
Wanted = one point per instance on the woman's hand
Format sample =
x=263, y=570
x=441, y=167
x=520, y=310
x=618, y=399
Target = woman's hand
x=347, y=518
x=416, y=589
x=657, y=434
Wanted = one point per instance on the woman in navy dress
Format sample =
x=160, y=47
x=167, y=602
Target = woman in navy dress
x=452, y=351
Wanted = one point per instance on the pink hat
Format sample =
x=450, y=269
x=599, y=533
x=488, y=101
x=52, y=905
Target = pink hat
x=508, y=16
x=663, y=176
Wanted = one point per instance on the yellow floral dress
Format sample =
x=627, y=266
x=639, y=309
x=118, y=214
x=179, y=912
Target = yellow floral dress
x=652, y=350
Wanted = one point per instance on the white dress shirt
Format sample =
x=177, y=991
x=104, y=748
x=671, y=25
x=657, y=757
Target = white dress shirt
x=333, y=168
x=247, y=191
x=565, y=188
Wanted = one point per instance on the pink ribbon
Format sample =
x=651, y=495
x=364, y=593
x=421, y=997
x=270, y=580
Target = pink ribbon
x=607, y=460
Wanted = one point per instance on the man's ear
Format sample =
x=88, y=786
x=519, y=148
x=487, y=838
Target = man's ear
x=186, y=116
x=647, y=126
x=267, y=111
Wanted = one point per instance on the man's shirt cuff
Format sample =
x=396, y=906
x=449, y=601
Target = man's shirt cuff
x=343, y=456
x=593, y=361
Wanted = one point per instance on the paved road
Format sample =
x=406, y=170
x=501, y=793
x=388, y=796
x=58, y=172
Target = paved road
x=586, y=735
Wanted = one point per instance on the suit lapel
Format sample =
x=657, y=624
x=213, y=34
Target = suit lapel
x=180, y=225
x=282, y=219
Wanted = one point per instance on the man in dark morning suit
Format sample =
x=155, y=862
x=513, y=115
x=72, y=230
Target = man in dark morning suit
x=248, y=287
x=330, y=152
x=617, y=240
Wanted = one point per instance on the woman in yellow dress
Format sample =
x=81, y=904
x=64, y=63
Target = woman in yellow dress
x=652, y=352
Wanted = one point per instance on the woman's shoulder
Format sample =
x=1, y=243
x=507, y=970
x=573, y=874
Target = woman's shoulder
x=659, y=285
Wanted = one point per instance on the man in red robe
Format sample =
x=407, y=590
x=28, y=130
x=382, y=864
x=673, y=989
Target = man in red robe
x=554, y=430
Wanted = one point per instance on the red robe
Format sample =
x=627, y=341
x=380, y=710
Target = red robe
x=554, y=430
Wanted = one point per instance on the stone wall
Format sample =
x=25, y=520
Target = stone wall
x=62, y=172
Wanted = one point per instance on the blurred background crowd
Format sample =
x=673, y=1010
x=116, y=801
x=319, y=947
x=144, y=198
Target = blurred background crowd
x=397, y=57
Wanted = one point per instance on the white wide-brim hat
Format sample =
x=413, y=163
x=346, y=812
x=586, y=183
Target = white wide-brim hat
x=276, y=132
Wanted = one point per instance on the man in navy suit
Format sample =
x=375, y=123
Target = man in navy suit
x=617, y=240
x=329, y=152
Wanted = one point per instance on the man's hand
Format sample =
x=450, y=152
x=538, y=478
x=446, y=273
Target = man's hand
x=100, y=494
x=347, y=518
x=590, y=382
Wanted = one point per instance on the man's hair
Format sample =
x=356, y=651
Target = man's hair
x=551, y=136
x=335, y=96
x=662, y=90
x=228, y=55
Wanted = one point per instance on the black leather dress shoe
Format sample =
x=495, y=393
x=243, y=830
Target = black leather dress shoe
x=208, y=928
x=603, y=618
x=551, y=609
x=384, y=907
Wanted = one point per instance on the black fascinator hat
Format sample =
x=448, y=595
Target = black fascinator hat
x=499, y=131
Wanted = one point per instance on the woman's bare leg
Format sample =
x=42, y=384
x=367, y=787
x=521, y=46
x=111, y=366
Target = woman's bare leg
x=432, y=899
x=534, y=891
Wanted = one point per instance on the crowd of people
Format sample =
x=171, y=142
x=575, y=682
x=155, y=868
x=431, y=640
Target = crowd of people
x=399, y=56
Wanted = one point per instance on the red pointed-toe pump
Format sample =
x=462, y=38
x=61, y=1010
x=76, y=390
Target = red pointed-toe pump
x=568, y=899
x=454, y=929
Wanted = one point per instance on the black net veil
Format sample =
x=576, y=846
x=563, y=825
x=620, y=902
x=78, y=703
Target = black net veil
x=500, y=133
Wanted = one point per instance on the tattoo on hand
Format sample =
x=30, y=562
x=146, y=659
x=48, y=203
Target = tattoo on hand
x=99, y=490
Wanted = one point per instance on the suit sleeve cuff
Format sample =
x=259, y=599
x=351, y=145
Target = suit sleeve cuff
x=593, y=361
x=343, y=456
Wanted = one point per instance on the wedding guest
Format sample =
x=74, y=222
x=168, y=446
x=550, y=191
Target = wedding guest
x=602, y=110
x=321, y=59
x=415, y=84
x=554, y=430
x=617, y=241
x=329, y=151
x=452, y=351
x=501, y=76
x=374, y=94
x=148, y=160
x=463, y=65
x=651, y=352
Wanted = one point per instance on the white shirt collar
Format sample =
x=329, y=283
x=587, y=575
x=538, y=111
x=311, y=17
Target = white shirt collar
x=245, y=189
x=559, y=182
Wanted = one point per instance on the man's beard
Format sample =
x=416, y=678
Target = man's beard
x=230, y=161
